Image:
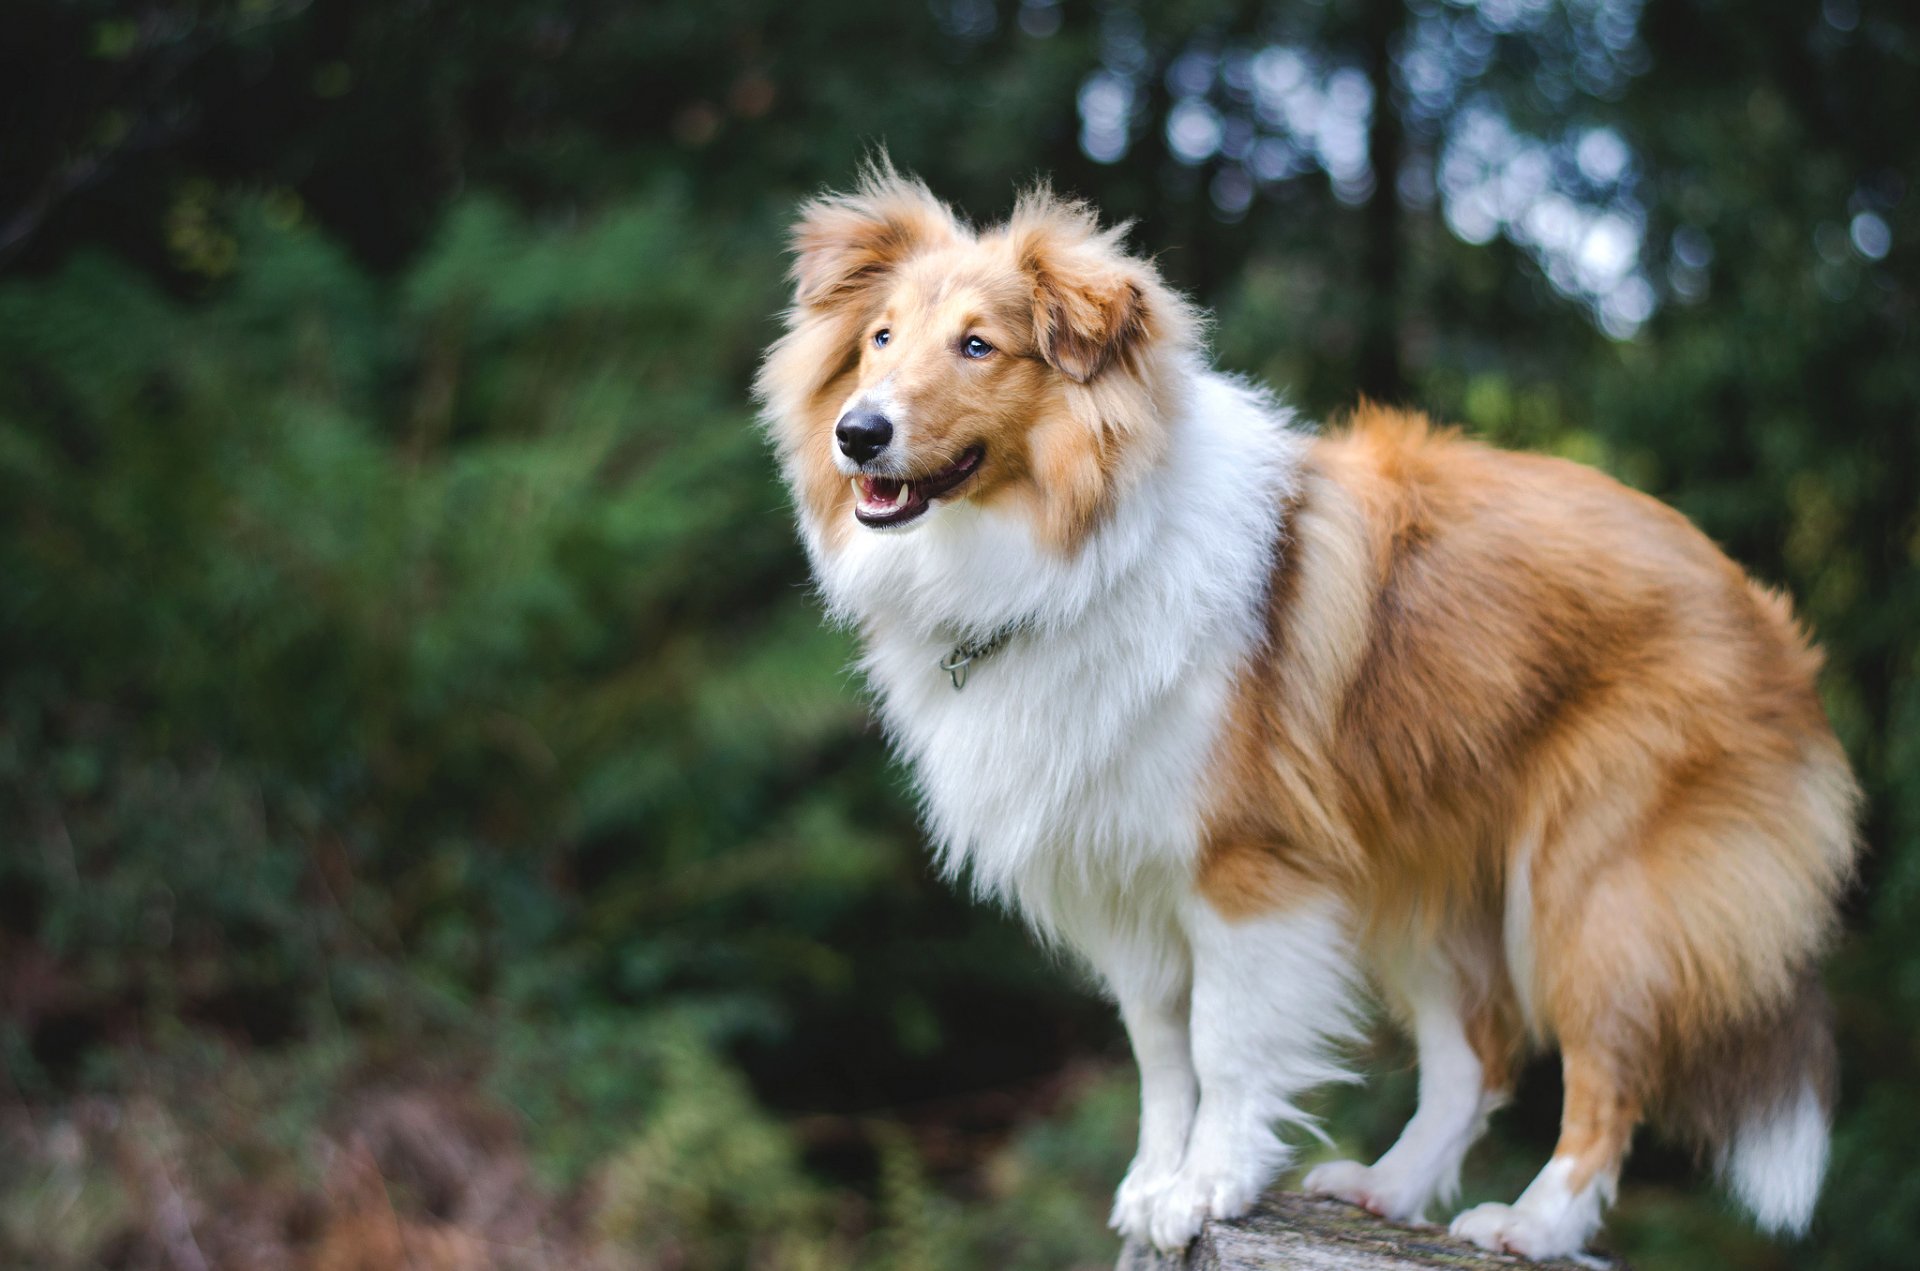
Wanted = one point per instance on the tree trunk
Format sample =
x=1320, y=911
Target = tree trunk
x=1379, y=358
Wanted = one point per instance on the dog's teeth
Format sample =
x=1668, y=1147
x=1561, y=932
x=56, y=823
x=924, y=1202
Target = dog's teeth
x=900, y=499
x=859, y=495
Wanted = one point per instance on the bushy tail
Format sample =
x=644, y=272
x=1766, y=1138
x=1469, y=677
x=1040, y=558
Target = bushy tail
x=1758, y=1103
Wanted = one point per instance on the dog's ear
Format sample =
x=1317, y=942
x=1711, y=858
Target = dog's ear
x=1092, y=302
x=844, y=243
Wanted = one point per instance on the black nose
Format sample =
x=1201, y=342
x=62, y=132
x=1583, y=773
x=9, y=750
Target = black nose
x=863, y=434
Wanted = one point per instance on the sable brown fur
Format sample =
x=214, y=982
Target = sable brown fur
x=1473, y=655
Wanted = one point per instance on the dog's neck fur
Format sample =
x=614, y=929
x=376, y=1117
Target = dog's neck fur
x=1075, y=757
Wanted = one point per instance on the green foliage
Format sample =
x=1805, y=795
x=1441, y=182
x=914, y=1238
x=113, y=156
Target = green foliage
x=409, y=672
x=709, y=1176
x=371, y=622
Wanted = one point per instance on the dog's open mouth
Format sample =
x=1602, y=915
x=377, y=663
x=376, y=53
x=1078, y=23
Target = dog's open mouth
x=885, y=501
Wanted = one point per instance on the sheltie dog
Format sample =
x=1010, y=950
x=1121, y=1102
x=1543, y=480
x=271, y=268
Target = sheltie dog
x=1259, y=722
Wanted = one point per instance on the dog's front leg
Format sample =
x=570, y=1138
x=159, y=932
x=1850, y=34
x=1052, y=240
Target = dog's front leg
x=1142, y=957
x=1157, y=1026
x=1273, y=997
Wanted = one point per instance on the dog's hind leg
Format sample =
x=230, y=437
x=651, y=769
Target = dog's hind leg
x=1560, y=1210
x=1466, y=1049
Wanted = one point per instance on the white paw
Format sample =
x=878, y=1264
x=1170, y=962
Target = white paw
x=1371, y=1189
x=1132, y=1213
x=1190, y=1199
x=1508, y=1229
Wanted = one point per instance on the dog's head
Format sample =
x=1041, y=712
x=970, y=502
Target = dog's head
x=925, y=364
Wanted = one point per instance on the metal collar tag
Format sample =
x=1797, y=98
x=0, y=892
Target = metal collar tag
x=966, y=653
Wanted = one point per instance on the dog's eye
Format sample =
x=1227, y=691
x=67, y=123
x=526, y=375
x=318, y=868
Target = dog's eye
x=881, y=337
x=974, y=347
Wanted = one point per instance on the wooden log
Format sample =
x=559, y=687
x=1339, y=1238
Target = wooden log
x=1312, y=1233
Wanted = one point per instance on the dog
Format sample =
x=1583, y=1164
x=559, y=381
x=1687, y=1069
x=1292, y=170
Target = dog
x=1263, y=724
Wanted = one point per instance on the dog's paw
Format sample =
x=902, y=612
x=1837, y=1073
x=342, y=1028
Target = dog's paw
x=1510, y=1229
x=1190, y=1199
x=1132, y=1213
x=1371, y=1189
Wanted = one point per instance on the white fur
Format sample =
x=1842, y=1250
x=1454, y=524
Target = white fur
x=1274, y=997
x=1550, y=1220
x=1074, y=757
x=1776, y=1160
x=1147, y=965
x=1068, y=777
x=1424, y=1164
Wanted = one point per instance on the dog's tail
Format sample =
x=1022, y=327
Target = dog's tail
x=1758, y=1103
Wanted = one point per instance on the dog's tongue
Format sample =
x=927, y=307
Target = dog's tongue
x=880, y=495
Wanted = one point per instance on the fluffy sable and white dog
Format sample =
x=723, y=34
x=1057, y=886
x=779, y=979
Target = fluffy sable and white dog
x=1253, y=720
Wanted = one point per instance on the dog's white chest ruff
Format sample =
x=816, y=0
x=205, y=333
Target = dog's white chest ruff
x=1055, y=754
x=1078, y=750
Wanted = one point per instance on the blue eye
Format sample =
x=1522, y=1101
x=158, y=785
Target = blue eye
x=974, y=347
x=881, y=337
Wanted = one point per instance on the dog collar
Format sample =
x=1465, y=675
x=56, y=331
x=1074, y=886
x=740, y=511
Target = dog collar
x=967, y=652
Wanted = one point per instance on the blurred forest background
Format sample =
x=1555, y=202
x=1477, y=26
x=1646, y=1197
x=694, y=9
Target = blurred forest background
x=435, y=827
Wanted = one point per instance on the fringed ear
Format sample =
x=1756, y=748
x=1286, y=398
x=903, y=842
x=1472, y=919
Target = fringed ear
x=843, y=243
x=1093, y=304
